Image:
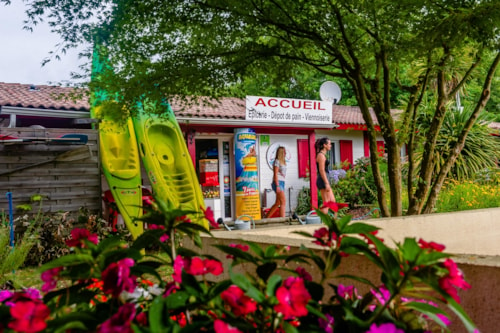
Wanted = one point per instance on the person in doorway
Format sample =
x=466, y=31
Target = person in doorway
x=278, y=184
x=323, y=146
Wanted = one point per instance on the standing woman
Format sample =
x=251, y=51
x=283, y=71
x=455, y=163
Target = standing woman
x=323, y=146
x=278, y=185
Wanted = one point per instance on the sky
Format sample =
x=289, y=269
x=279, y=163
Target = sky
x=22, y=51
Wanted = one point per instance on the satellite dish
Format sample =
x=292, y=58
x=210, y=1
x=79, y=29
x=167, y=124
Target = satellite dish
x=330, y=92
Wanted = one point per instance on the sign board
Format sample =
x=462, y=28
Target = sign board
x=288, y=110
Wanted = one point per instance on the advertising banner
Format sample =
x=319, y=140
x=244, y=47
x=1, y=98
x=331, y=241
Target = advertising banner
x=247, y=176
x=288, y=110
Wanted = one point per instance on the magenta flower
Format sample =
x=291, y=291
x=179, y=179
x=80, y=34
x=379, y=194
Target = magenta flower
x=384, y=328
x=79, y=236
x=49, y=277
x=120, y=321
x=347, y=292
x=324, y=237
x=117, y=278
x=239, y=303
x=293, y=298
x=5, y=294
x=178, y=266
x=223, y=327
x=196, y=266
x=326, y=325
x=165, y=236
x=29, y=316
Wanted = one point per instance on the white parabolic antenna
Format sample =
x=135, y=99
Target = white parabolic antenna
x=330, y=92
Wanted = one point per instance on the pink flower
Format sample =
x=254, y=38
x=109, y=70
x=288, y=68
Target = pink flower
x=431, y=245
x=165, y=236
x=239, y=303
x=223, y=327
x=49, y=277
x=242, y=247
x=120, y=321
x=29, y=316
x=117, y=278
x=178, y=266
x=195, y=266
x=382, y=295
x=5, y=294
x=303, y=273
x=293, y=298
x=209, y=215
x=453, y=280
x=79, y=236
x=384, y=328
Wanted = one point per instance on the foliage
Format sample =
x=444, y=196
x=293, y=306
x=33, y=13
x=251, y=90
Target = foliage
x=468, y=195
x=481, y=150
x=106, y=290
x=303, y=201
x=51, y=239
x=356, y=186
x=13, y=257
x=409, y=49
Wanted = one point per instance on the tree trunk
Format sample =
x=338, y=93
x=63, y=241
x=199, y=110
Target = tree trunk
x=457, y=149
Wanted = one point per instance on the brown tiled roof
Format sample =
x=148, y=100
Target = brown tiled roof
x=40, y=97
x=49, y=97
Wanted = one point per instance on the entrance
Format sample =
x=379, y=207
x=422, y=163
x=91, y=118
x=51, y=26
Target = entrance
x=215, y=174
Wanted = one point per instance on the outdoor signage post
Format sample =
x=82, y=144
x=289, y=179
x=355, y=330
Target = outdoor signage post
x=247, y=176
x=288, y=110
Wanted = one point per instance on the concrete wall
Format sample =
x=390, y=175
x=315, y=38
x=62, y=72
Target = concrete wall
x=470, y=235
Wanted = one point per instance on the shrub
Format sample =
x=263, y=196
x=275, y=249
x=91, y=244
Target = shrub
x=107, y=292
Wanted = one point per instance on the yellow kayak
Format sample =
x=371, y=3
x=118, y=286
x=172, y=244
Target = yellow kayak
x=168, y=164
x=121, y=167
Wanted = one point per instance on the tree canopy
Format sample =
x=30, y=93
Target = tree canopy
x=382, y=48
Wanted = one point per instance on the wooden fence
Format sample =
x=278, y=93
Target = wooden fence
x=61, y=165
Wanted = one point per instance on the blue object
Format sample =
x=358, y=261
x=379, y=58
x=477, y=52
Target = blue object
x=11, y=219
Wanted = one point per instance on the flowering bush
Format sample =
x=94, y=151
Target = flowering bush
x=118, y=288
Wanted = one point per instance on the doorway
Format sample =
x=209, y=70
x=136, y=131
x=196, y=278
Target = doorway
x=215, y=174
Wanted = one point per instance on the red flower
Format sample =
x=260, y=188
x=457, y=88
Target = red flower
x=431, y=245
x=209, y=215
x=79, y=236
x=303, y=273
x=324, y=237
x=239, y=303
x=120, y=321
x=29, y=316
x=142, y=319
x=335, y=206
x=293, y=297
x=180, y=319
x=50, y=279
x=117, y=278
x=453, y=280
x=195, y=266
x=223, y=327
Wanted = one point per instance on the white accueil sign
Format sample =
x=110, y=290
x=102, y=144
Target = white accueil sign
x=288, y=110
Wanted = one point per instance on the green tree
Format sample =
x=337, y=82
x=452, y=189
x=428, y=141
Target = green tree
x=202, y=47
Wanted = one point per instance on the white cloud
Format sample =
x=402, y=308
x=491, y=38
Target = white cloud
x=22, y=52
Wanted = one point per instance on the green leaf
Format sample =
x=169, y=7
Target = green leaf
x=265, y=270
x=410, y=250
x=68, y=261
x=270, y=251
x=428, y=310
x=237, y=253
x=242, y=281
x=176, y=300
x=272, y=284
x=359, y=228
x=218, y=288
x=289, y=328
x=459, y=311
x=158, y=310
x=256, y=248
